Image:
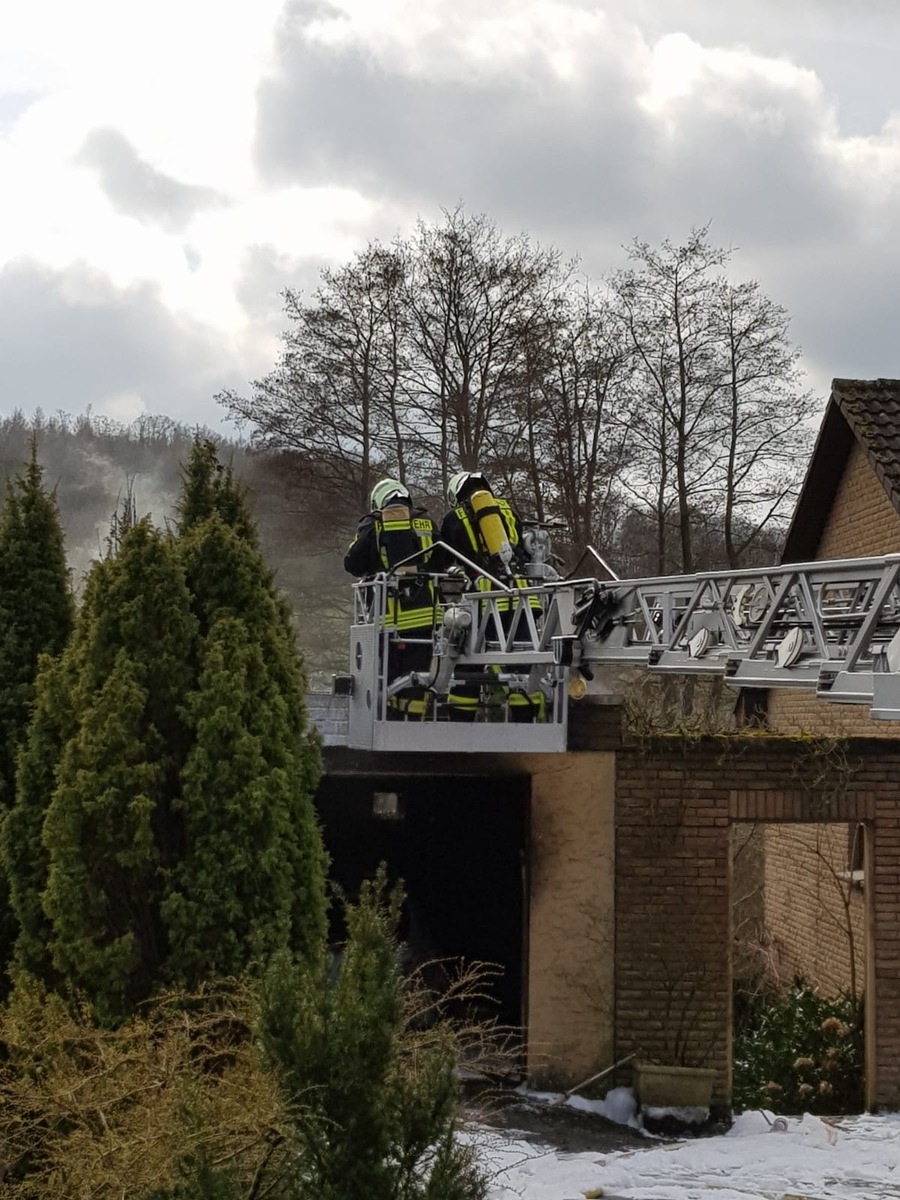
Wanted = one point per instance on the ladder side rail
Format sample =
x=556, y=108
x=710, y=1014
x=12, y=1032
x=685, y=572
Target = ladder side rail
x=724, y=622
x=795, y=599
x=552, y=620
x=708, y=609
x=851, y=570
x=524, y=611
x=861, y=643
x=762, y=673
x=485, y=617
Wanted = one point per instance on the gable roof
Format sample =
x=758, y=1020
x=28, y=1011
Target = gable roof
x=866, y=411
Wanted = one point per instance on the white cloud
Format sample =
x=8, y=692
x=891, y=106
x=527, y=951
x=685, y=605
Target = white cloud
x=469, y=41
x=680, y=68
x=176, y=83
x=286, y=133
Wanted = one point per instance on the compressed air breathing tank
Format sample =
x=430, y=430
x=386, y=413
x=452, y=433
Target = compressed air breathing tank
x=486, y=514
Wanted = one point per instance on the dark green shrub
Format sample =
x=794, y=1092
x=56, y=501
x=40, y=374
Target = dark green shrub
x=801, y=1053
x=372, y=1097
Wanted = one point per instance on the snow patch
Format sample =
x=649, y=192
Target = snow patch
x=618, y=1105
x=687, y=1116
x=855, y=1159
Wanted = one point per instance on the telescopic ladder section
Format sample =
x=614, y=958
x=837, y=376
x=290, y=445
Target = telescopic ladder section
x=829, y=626
x=833, y=627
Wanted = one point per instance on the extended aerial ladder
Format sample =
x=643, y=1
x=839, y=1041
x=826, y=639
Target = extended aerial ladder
x=830, y=627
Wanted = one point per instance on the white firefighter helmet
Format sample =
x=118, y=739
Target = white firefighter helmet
x=462, y=482
x=386, y=490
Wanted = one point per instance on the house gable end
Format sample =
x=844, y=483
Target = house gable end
x=862, y=417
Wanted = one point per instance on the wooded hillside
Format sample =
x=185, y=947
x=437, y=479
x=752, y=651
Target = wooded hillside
x=93, y=463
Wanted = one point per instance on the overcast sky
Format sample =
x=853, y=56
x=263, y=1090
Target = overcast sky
x=166, y=170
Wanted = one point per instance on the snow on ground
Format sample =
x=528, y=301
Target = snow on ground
x=618, y=1105
x=856, y=1159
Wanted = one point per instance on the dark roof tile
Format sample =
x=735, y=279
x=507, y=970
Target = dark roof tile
x=872, y=410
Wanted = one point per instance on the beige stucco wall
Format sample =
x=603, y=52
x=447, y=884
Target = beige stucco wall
x=862, y=522
x=570, y=971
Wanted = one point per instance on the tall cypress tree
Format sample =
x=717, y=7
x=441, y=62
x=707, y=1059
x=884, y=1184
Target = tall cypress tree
x=103, y=883
x=230, y=900
x=36, y=608
x=36, y=612
x=110, y=831
x=25, y=856
x=209, y=488
x=250, y=774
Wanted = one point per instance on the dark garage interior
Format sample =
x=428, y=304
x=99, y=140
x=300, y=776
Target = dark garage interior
x=460, y=846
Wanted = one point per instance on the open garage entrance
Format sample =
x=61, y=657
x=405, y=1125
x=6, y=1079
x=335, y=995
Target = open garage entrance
x=460, y=846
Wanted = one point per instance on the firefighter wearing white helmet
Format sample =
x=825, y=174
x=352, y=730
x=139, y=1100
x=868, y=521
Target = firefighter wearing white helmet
x=386, y=537
x=390, y=532
x=486, y=529
x=482, y=526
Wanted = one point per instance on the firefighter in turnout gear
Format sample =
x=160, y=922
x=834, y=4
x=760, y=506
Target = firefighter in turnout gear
x=385, y=537
x=486, y=529
x=483, y=527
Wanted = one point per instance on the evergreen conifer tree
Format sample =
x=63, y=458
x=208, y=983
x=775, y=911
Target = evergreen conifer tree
x=109, y=832
x=250, y=774
x=164, y=828
x=230, y=900
x=36, y=608
x=36, y=612
x=25, y=857
x=103, y=884
x=209, y=488
x=373, y=1100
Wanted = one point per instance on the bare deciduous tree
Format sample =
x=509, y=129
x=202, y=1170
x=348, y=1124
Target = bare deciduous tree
x=667, y=308
x=762, y=415
x=717, y=413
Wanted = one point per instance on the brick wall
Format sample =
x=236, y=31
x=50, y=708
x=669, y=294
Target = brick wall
x=673, y=978
x=675, y=805
x=862, y=522
x=815, y=913
x=883, y=965
x=330, y=715
x=751, y=958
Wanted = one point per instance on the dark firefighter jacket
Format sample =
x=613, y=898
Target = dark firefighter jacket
x=459, y=529
x=385, y=538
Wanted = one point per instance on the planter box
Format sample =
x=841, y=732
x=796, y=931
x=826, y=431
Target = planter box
x=661, y=1086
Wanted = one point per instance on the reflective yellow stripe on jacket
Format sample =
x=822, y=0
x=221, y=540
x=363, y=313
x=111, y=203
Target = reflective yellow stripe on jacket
x=397, y=614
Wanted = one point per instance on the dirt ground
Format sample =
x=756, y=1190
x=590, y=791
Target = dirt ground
x=561, y=1127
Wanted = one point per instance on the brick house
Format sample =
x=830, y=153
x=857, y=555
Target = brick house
x=810, y=907
x=601, y=879
x=849, y=507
